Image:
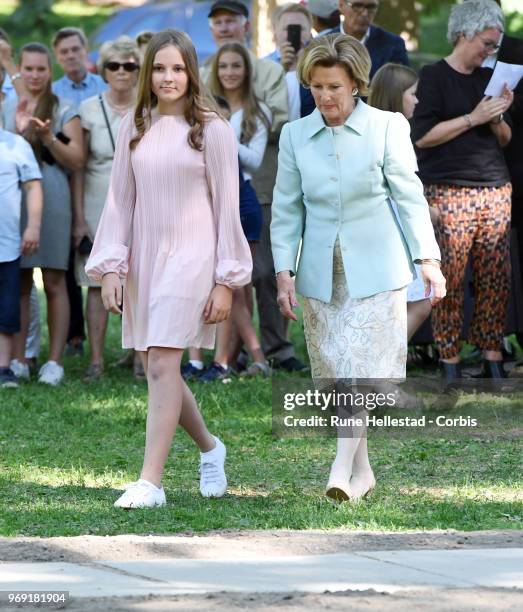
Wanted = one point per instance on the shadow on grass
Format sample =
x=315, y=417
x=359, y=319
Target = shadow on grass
x=37, y=510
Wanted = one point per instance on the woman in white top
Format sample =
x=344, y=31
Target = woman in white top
x=119, y=65
x=231, y=80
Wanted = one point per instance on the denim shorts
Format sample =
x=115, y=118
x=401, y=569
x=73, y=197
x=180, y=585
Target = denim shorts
x=10, y=296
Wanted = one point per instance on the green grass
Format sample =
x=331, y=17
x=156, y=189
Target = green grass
x=65, y=450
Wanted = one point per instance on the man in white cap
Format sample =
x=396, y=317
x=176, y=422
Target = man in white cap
x=325, y=15
x=229, y=22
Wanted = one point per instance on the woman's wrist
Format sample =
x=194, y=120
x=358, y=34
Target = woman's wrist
x=50, y=141
x=429, y=262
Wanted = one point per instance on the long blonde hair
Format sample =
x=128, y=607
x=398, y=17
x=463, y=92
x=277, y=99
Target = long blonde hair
x=198, y=107
x=251, y=105
x=47, y=101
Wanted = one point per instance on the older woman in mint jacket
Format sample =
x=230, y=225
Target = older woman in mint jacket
x=337, y=169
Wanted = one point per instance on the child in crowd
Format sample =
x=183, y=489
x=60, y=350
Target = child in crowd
x=231, y=79
x=393, y=88
x=171, y=229
x=18, y=171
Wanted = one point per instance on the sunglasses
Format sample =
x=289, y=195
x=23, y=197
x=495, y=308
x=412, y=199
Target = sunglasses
x=127, y=66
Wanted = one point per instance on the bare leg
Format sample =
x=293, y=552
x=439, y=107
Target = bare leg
x=243, y=320
x=6, y=346
x=248, y=296
x=223, y=341
x=97, y=318
x=192, y=421
x=57, y=311
x=166, y=398
x=19, y=339
x=417, y=312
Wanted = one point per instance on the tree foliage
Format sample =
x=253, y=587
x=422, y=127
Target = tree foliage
x=31, y=15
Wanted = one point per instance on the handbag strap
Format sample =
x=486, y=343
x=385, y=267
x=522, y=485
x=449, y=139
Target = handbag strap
x=107, y=121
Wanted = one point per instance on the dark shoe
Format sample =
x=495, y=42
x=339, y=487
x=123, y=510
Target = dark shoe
x=492, y=369
x=214, y=372
x=290, y=365
x=450, y=371
x=74, y=349
x=242, y=361
x=95, y=371
x=126, y=361
x=7, y=379
x=138, y=371
x=189, y=372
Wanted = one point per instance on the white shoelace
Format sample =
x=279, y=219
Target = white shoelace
x=210, y=472
x=140, y=490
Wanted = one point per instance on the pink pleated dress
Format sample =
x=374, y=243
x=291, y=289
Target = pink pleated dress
x=171, y=230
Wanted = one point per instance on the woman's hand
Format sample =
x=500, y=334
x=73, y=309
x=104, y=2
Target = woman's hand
x=286, y=295
x=80, y=229
x=6, y=53
x=433, y=280
x=112, y=293
x=435, y=214
x=488, y=109
x=30, y=240
x=42, y=129
x=289, y=57
x=507, y=97
x=218, y=306
x=23, y=116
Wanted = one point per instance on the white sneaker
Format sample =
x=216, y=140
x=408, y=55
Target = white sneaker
x=20, y=370
x=51, y=373
x=213, y=482
x=141, y=494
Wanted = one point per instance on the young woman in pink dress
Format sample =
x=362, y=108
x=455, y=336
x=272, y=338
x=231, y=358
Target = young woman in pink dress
x=171, y=231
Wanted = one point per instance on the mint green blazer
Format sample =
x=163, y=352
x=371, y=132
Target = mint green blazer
x=338, y=182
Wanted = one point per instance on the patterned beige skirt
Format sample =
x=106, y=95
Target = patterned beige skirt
x=356, y=338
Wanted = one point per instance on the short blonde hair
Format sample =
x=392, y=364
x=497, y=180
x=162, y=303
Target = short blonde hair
x=123, y=45
x=336, y=50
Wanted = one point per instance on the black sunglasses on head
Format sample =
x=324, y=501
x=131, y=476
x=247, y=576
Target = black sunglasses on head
x=127, y=66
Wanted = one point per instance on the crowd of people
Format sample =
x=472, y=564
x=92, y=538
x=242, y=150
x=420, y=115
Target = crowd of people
x=178, y=194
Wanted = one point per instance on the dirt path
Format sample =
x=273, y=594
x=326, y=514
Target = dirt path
x=450, y=600
x=238, y=544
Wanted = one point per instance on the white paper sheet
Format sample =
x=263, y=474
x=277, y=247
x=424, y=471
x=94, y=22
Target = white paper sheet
x=510, y=74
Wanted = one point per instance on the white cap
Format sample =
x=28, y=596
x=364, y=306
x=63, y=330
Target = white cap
x=322, y=8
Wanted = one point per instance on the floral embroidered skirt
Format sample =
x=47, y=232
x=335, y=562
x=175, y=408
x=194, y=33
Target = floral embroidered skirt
x=356, y=338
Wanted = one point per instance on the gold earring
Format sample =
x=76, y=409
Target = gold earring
x=355, y=91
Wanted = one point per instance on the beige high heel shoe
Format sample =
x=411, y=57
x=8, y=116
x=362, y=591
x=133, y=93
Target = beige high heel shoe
x=338, y=490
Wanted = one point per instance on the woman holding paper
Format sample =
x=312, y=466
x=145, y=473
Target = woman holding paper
x=459, y=134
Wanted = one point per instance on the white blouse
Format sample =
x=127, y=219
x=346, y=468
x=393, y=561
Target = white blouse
x=251, y=153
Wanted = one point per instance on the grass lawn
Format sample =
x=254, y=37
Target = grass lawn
x=64, y=451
